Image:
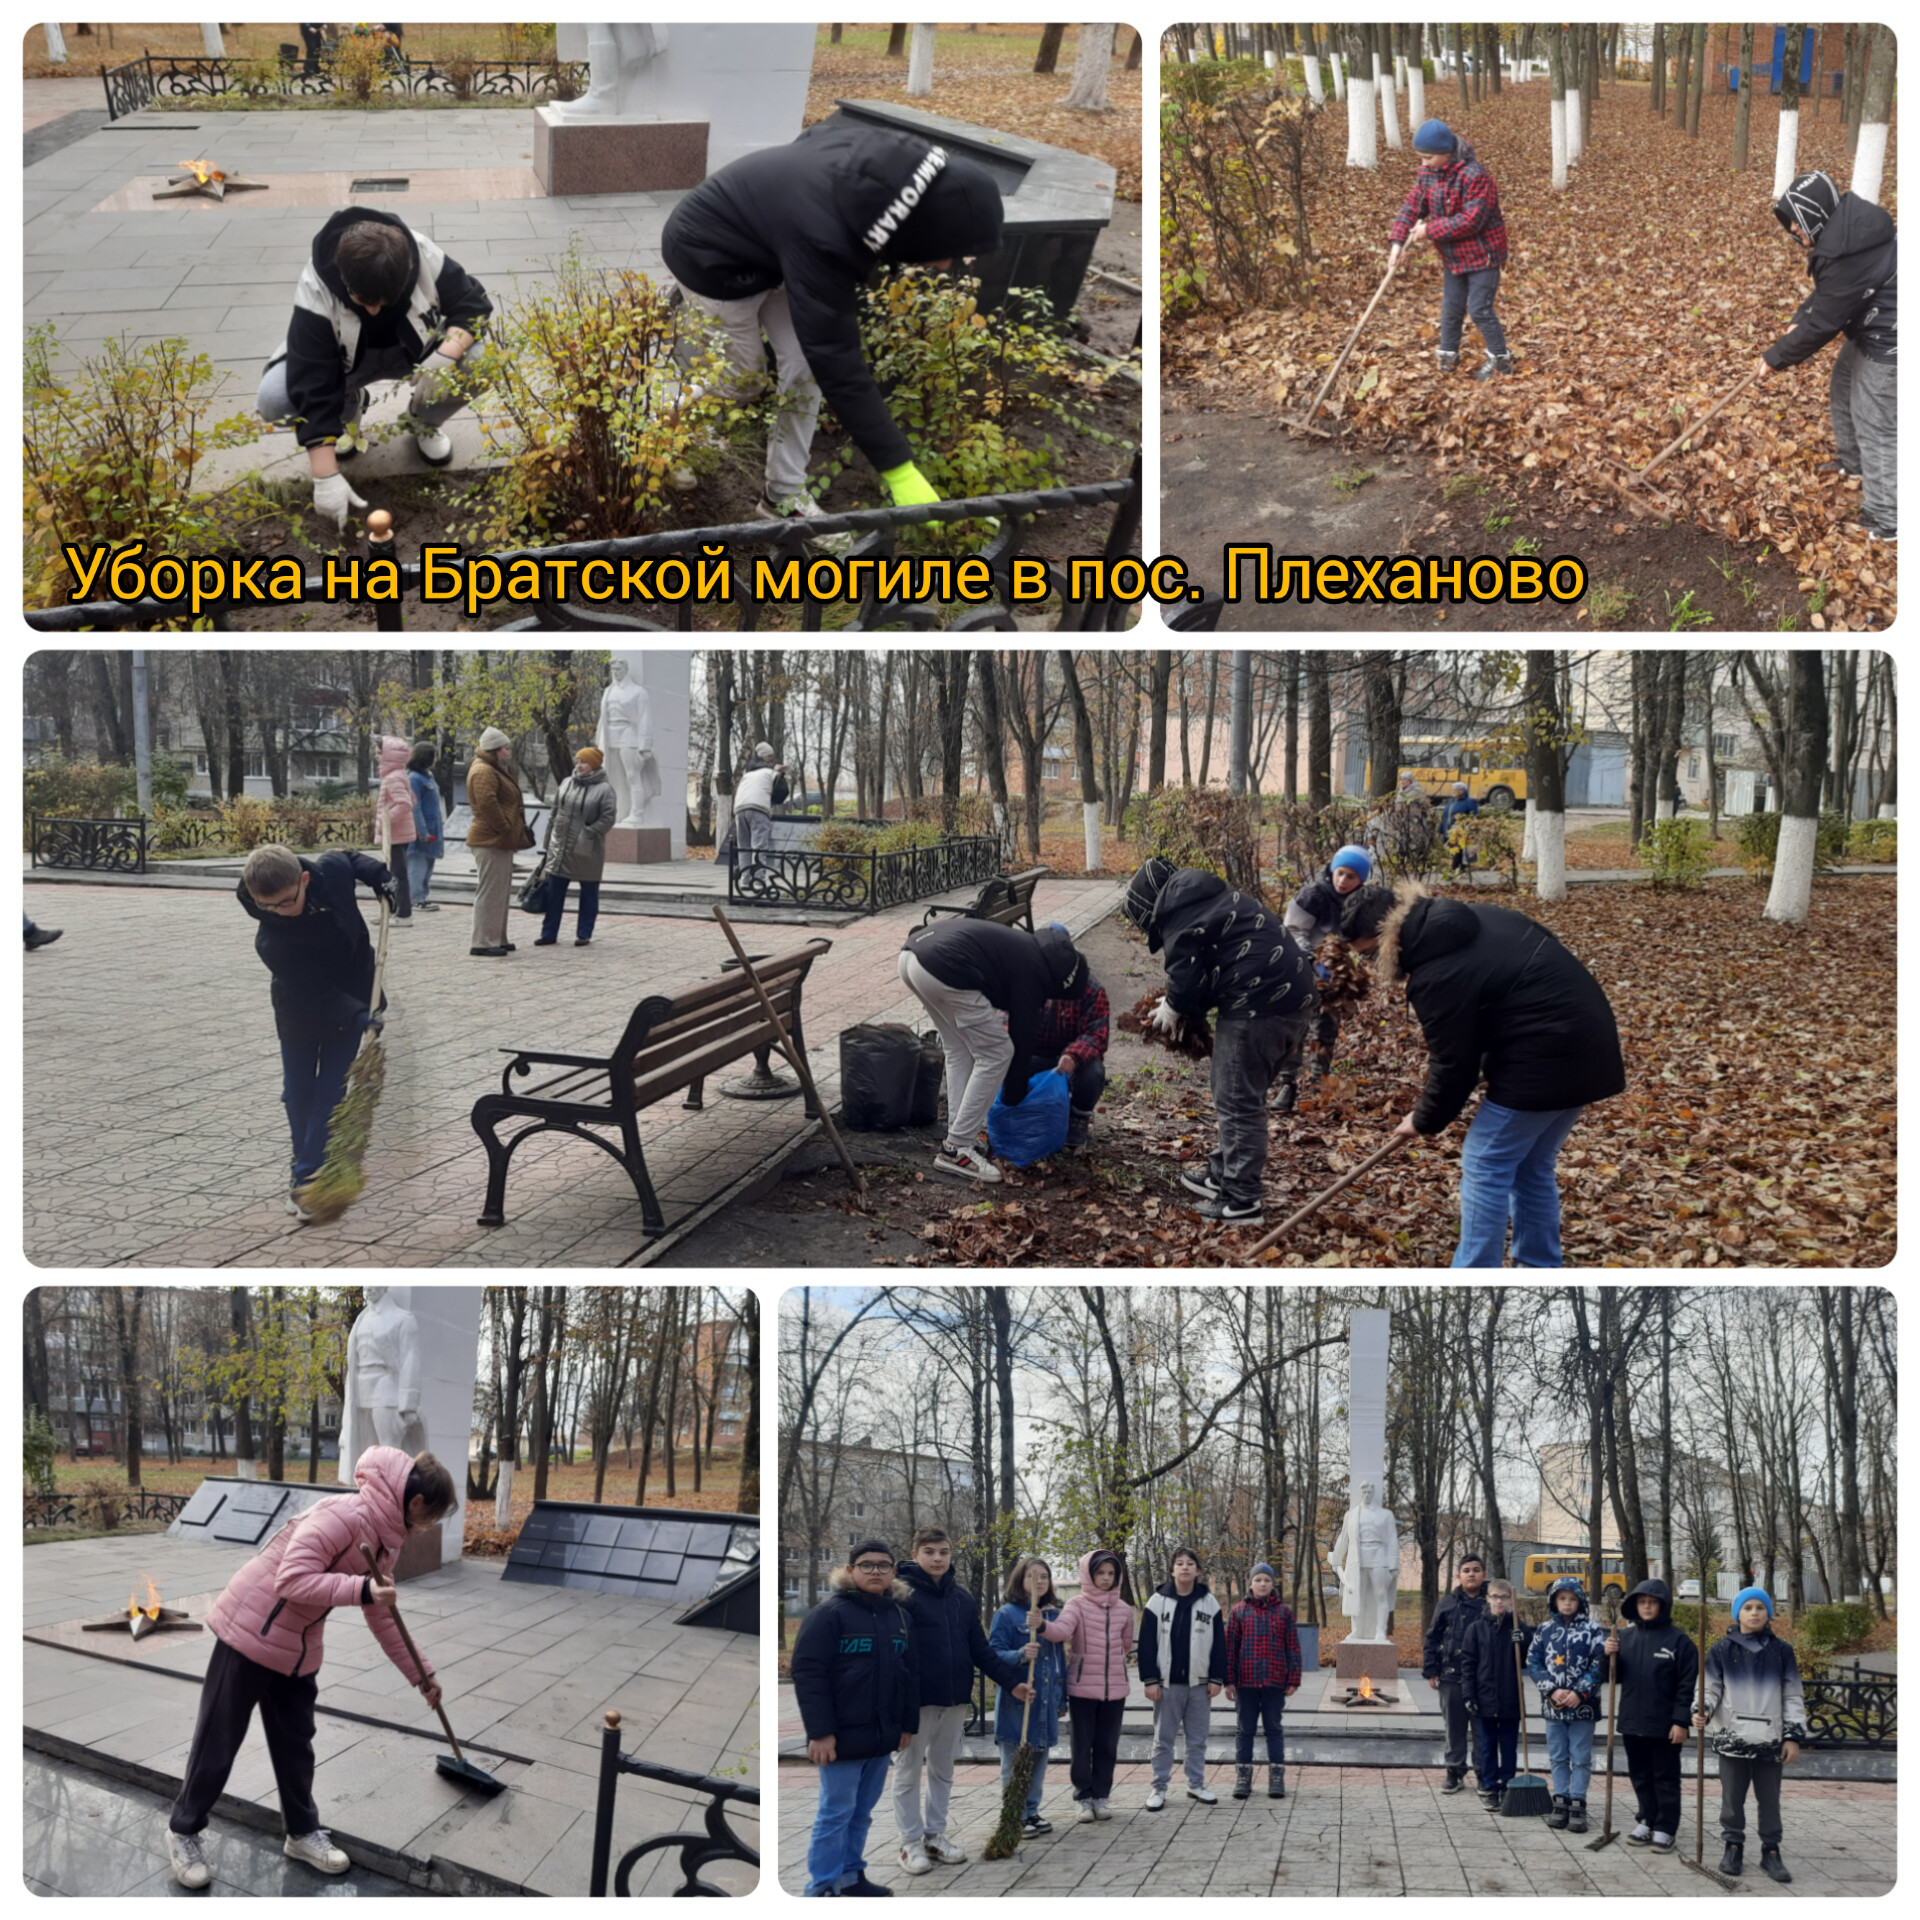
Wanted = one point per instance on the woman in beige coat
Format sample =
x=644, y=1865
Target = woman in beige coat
x=498, y=832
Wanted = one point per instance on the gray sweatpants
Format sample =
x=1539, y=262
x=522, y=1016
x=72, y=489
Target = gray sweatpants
x=752, y=836
x=1863, y=399
x=1181, y=1710
x=797, y=394
x=973, y=1032
x=1763, y=1776
x=1248, y=1057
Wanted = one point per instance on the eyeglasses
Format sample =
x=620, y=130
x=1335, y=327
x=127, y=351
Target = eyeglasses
x=873, y=1566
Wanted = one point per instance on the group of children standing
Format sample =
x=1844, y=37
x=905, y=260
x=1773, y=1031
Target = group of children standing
x=883, y=1670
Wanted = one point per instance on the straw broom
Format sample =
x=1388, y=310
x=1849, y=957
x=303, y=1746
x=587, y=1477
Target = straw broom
x=343, y=1173
x=1013, y=1799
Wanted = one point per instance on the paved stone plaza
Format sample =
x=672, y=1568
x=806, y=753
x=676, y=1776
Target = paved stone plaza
x=1347, y=1831
x=154, y=1134
x=528, y=1673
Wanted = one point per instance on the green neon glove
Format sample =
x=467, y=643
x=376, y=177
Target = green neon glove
x=909, y=487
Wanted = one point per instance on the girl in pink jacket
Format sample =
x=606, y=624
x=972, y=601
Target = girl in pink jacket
x=1099, y=1622
x=396, y=798
x=267, y=1644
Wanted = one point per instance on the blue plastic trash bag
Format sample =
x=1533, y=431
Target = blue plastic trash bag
x=1036, y=1127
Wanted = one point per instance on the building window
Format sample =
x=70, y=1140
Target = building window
x=793, y=1589
x=859, y=1512
x=1723, y=746
x=1693, y=766
x=199, y=763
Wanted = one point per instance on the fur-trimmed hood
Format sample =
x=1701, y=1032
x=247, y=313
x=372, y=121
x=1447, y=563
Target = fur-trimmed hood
x=840, y=1580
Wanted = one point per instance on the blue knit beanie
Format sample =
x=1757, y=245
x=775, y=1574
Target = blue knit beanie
x=1263, y=1568
x=1358, y=858
x=1745, y=1594
x=1435, y=136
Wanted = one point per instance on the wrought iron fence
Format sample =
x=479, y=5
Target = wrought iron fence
x=718, y=1842
x=164, y=76
x=76, y=1509
x=1858, y=1711
x=873, y=527
x=100, y=846
x=861, y=882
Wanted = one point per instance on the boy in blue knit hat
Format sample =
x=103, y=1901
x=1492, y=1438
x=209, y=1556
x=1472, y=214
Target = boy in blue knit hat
x=1455, y=204
x=1755, y=1717
x=1314, y=916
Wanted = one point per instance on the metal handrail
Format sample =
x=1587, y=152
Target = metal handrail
x=697, y=1850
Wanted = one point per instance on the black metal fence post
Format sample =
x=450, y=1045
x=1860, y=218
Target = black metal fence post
x=716, y=1843
x=603, y=1805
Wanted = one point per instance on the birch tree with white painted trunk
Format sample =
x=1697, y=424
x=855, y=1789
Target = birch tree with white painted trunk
x=56, y=44
x=920, y=63
x=1416, y=91
x=210, y=39
x=1389, y=100
x=1546, y=773
x=1088, y=93
x=1787, y=145
x=1557, y=105
x=1339, y=76
x=1870, y=155
x=1803, y=769
x=1316, y=92
x=1363, y=140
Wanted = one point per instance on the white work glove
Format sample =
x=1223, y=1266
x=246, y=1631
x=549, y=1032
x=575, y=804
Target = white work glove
x=331, y=499
x=1164, y=1017
x=433, y=379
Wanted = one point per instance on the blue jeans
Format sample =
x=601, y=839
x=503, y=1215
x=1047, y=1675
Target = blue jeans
x=313, y=1064
x=1570, y=1754
x=1472, y=294
x=419, y=869
x=1506, y=1168
x=849, y=1791
x=1498, y=1739
x=1008, y=1750
x=557, y=905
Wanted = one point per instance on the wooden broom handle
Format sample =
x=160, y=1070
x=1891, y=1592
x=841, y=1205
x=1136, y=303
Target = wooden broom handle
x=1026, y=1712
x=419, y=1665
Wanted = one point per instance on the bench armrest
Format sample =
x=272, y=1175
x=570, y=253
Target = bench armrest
x=524, y=1063
x=927, y=917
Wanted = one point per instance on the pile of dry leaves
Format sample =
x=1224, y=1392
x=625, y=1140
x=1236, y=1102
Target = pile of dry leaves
x=1633, y=301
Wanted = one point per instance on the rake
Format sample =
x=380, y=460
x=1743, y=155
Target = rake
x=1607, y=1834
x=1303, y=422
x=1699, y=1863
x=1692, y=432
x=1013, y=1801
x=1313, y=1206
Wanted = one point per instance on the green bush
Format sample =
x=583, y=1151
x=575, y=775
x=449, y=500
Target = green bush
x=1209, y=828
x=1206, y=83
x=1823, y=1629
x=80, y=789
x=36, y=1454
x=1758, y=838
x=903, y=834
x=1677, y=854
x=1874, y=840
x=246, y=823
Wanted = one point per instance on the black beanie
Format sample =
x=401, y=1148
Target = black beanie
x=1808, y=204
x=870, y=1546
x=1366, y=913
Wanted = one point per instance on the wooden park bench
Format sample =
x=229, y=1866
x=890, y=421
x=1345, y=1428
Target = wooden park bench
x=1007, y=898
x=670, y=1045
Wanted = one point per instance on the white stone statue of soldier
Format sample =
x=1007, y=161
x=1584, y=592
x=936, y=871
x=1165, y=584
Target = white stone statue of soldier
x=618, y=53
x=1367, y=1558
x=383, y=1380
x=625, y=738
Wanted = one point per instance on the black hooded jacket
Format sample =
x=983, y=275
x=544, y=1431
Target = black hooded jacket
x=856, y=1670
x=1489, y=1679
x=1658, y=1668
x=816, y=217
x=1447, y=1637
x=319, y=354
x=1225, y=951
x=321, y=959
x=1855, y=268
x=1497, y=994
x=950, y=1639
x=1017, y=971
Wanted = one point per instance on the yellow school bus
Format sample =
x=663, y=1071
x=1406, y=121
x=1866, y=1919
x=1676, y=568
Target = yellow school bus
x=1492, y=777
x=1543, y=1569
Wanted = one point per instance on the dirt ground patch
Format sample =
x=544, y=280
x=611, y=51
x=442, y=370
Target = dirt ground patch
x=1231, y=473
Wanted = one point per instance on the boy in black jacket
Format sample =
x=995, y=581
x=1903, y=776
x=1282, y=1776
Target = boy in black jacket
x=1442, y=1655
x=1854, y=263
x=1490, y=1688
x=856, y=1682
x=376, y=302
x=1228, y=953
x=778, y=242
x=314, y=943
x=952, y=1643
x=1656, y=1669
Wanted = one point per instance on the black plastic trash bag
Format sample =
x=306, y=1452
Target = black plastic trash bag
x=878, y=1067
x=928, y=1081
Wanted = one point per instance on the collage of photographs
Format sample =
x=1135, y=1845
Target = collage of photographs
x=1231, y=956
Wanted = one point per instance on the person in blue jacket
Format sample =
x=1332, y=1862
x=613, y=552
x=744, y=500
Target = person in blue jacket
x=946, y=1623
x=1031, y=1585
x=1461, y=805
x=1568, y=1663
x=429, y=840
x=856, y=1681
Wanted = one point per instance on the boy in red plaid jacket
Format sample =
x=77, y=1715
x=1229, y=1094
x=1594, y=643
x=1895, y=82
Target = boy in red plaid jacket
x=1456, y=205
x=1073, y=1040
x=1263, y=1668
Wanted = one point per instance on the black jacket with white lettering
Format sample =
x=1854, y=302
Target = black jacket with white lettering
x=1658, y=1670
x=817, y=216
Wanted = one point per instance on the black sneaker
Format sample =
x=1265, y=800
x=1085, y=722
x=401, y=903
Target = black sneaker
x=1562, y=1811
x=1200, y=1181
x=1079, y=1126
x=1495, y=363
x=38, y=937
x=1774, y=1867
x=864, y=1889
x=1731, y=1863
x=1454, y=1783
x=1286, y=1096
x=1231, y=1213
x=1033, y=1824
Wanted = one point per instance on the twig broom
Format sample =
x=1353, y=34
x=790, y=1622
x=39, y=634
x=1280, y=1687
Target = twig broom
x=1013, y=1798
x=343, y=1173
x=1527, y=1796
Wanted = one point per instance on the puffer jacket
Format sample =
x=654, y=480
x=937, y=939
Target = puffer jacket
x=1658, y=1668
x=1568, y=1655
x=952, y=1643
x=1754, y=1698
x=1489, y=1679
x=428, y=817
x=1314, y=914
x=396, y=790
x=1498, y=997
x=1100, y=1625
x=1048, y=1674
x=856, y=1669
x=274, y=1609
x=1226, y=952
x=499, y=813
x=1447, y=1636
x=583, y=813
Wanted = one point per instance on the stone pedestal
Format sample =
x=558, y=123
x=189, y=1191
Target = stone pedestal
x=613, y=153
x=1378, y=1659
x=419, y=1553
x=639, y=846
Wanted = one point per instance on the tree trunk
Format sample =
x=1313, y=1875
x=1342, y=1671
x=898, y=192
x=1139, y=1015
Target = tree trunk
x=1459, y=67
x=1791, y=896
x=127, y=1304
x=1870, y=152
x=896, y=42
x=1742, y=117
x=1546, y=775
x=1362, y=135
x=1049, y=55
x=540, y=1429
x=1083, y=754
x=1787, y=143
x=1657, y=99
x=1557, y=104
x=1699, y=78
x=1319, y=731
x=1160, y=686
x=1383, y=723
x=1290, y=753
x=1683, y=66
x=750, y=1437
x=240, y=1303
x=1088, y=91
x=1383, y=80
x=920, y=64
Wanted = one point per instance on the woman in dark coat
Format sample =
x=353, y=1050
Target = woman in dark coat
x=1499, y=999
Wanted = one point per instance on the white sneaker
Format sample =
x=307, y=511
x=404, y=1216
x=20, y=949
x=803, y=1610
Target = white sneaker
x=914, y=1860
x=1204, y=1796
x=1086, y=1815
x=299, y=1213
x=1641, y=1836
x=803, y=506
x=436, y=449
x=1101, y=1811
x=1156, y=1799
x=317, y=1850
x=188, y=1862
x=401, y=922
x=940, y=1848
x=966, y=1162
